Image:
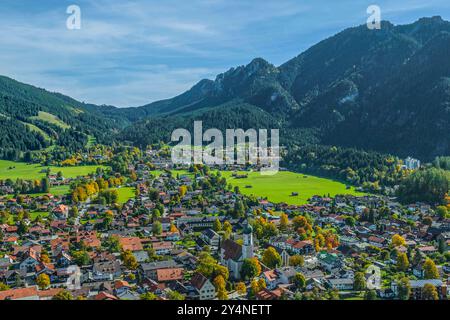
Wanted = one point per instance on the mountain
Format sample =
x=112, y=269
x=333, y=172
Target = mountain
x=385, y=90
x=32, y=119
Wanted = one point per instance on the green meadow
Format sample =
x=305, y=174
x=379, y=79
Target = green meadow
x=279, y=187
x=20, y=170
x=50, y=118
x=56, y=191
x=125, y=194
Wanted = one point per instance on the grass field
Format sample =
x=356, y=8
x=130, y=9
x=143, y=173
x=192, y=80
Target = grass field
x=50, y=118
x=56, y=191
x=125, y=194
x=32, y=127
x=26, y=171
x=279, y=187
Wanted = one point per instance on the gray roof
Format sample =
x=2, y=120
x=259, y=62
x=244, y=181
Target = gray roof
x=210, y=233
x=158, y=265
x=340, y=281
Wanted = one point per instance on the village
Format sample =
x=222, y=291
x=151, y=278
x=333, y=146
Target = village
x=187, y=234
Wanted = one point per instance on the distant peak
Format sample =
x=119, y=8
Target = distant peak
x=259, y=62
x=434, y=19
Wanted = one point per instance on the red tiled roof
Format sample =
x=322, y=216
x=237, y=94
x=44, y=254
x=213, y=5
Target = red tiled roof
x=170, y=274
x=105, y=296
x=132, y=243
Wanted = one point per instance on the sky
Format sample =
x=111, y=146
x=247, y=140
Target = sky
x=130, y=53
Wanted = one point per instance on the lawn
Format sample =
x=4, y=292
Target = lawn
x=56, y=191
x=21, y=170
x=50, y=118
x=126, y=193
x=34, y=215
x=279, y=187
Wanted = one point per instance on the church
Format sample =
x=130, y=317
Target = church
x=232, y=254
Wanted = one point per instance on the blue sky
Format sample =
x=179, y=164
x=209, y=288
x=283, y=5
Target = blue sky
x=129, y=53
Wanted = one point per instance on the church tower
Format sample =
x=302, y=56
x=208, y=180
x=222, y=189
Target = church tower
x=247, y=247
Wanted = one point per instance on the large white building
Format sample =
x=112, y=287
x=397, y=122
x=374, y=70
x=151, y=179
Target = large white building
x=412, y=164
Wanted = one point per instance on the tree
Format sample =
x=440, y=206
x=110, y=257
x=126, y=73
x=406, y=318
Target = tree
x=175, y=295
x=63, y=295
x=182, y=191
x=112, y=244
x=222, y=294
x=403, y=289
x=219, y=284
x=156, y=213
x=81, y=258
x=402, y=261
x=73, y=212
x=222, y=271
x=430, y=269
x=45, y=185
x=43, y=281
x=217, y=226
x=45, y=258
x=256, y=286
x=319, y=242
x=206, y=264
x=359, y=283
x=370, y=295
x=4, y=287
x=296, y=261
x=398, y=240
x=442, y=245
x=241, y=288
x=300, y=222
x=284, y=222
x=148, y=296
x=250, y=268
x=429, y=292
x=300, y=281
x=173, y=228
x=271, y=258
x=441, y=212
x=157, y=228
x=428, y=221
x=129, y=260
x=430, y=185
x=227, y=228
x=239, y=209
x=350, y=221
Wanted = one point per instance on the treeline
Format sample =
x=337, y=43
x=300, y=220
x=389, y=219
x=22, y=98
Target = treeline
x=21, y=186
x=231, y=116
x=21, y=103
x=356, y=167
x=428, y=185
x=16, y=138
x=442, y=163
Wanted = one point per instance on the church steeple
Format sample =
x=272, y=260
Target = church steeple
x=247, y=247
